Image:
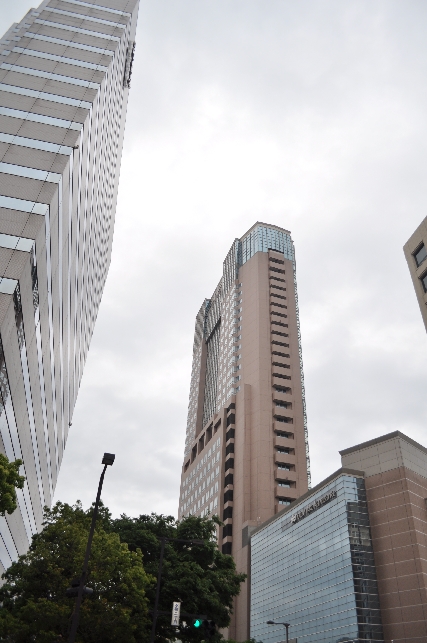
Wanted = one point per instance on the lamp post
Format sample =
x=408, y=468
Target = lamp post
x=159, y=577
x=107, y=460
x=287, y=625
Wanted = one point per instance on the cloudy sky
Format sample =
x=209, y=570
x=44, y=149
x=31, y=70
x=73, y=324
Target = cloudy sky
x=310, y=115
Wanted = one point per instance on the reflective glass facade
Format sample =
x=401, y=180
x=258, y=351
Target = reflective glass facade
x=313, y=567
x=64, y=82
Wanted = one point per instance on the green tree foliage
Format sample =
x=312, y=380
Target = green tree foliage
x=201, y=577
x=34, y=605
x=10, y=480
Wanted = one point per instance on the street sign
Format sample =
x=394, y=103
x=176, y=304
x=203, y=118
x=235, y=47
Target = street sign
x=176, y=609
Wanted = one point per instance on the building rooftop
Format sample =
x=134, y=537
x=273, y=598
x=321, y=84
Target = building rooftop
x=267, y=225
x=383, y=438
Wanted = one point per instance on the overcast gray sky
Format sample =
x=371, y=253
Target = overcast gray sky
x=310, y=115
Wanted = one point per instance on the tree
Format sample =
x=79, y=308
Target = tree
x=34, y=605
x=201, y=577
x=10, y=480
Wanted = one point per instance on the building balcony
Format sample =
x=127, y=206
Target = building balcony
x=278, y=301
x=286, y=458
x=286, y=414
x=286, y=443
x=281, y=361
x=280, y=474
x=289, y=492
x=281, y=427
x=282, y=380
x=277, y=310
x=281, y=370
x=277, y=277
x=282, y=397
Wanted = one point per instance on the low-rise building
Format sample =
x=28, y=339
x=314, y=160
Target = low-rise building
x=347, y=560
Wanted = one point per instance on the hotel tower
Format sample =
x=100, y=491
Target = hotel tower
x=246, y=449
x=64, y=82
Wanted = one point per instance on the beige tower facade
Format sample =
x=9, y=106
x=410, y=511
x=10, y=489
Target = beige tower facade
x=415, y=250
x=246, y=451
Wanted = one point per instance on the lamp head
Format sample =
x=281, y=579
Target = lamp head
x=108, y=458
x=271, y=623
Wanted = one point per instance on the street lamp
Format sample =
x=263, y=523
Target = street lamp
x=287, y=625
x=107, y=460
x=164, y=540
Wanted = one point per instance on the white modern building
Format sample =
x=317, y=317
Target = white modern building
x=64, y=82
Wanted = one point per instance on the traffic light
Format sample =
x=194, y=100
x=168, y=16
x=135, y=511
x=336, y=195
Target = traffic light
x=197, y=622
x=72, y=592
x=209, y=628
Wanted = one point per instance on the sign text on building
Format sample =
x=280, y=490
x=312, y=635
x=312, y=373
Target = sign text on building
x=313, y=506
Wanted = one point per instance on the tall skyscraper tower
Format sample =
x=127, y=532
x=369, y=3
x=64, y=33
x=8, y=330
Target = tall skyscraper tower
x=246, y=449
x=64, y=81
x=415, y=250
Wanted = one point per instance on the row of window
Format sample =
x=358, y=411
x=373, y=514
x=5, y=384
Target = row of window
x=209, y=509
x=230, y=317
x=420, y=255
x=206, y=459
x=203, y=497
x=277, y=291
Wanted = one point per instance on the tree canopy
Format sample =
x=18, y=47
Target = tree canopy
x=34, y=604
x=122, y=571
x=199, y=576
x=10, y=480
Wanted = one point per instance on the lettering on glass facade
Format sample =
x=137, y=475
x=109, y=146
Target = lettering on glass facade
x=313, y=506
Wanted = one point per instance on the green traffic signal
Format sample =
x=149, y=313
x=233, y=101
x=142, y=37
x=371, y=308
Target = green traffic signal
x=197, y=622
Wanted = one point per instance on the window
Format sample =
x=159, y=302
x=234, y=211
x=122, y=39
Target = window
x=282, y=389
x=228, y=496
x=227, y=513
x=424, y=281
x=282, y=404
x=284, y=484
x=229, y=435
x=227, y=531
x=284, y=467
x=283, y=419
x=201, y=445
x=230, y=464
x=284, y=501
x=228, y=479
x=420, y=254
x=231, y=419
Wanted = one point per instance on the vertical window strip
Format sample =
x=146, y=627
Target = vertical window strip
x=39, y=347
x=27, y=388
x=12, y=445
x=304, y=406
